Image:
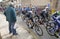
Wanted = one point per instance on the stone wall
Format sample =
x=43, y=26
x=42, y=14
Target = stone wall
x=35, y=2
x=53, y=4
x=40, y=2
x=26, y=2
x=58, y=8
x=32, y=2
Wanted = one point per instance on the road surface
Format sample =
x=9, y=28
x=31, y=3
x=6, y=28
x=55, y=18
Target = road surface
x=22, y=30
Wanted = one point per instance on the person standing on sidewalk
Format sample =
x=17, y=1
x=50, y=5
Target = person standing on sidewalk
x=11, y=18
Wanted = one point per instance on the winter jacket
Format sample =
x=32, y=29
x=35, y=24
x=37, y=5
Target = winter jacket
x=10, y=14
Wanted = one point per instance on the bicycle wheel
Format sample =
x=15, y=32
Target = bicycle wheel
x=38, y=30
x=50, y=30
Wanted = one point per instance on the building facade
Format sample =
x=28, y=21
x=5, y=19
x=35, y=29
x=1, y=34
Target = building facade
x=32, y=2
x=54, y=3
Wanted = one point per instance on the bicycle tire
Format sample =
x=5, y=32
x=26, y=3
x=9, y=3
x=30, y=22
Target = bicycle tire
x=47, y=29
x=40, y=33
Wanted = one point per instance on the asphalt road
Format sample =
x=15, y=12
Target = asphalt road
x=45, y=34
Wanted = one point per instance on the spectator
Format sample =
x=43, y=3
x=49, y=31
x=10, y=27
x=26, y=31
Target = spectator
x=11, y=18
x=28, y=9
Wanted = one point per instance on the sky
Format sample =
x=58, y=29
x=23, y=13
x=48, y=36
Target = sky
x=0, y=0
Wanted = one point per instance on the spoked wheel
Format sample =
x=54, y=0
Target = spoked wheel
x=38, y=30
x=50, y=30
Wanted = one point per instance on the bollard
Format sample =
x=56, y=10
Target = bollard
x=0, y=36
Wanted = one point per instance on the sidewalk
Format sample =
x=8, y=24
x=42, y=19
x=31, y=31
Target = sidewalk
x=22, y=32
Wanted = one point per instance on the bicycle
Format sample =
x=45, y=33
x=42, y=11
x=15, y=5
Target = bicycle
x=36, y=27
x=52, y=28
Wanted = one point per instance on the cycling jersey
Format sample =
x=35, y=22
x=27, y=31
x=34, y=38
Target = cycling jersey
x=30, y=16
x=44, y=14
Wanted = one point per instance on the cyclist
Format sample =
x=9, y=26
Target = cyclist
x=28, y=8
x=38, y=11
x=45, y=13
x=24, y=10
x=30, y=17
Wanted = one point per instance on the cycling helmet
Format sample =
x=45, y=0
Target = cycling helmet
x=46, y=7
x=30, y=12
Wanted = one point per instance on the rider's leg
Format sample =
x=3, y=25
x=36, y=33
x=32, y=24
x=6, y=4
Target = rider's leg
x=31, y=21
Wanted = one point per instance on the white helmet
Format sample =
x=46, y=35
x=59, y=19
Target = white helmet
x=46, y=7
x=30, y=11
